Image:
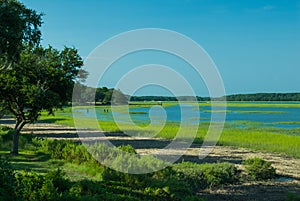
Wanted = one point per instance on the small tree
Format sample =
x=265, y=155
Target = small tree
x=42, y=79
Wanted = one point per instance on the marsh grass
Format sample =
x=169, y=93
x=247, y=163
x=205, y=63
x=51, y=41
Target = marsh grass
x=239, y=133
x=262, y=141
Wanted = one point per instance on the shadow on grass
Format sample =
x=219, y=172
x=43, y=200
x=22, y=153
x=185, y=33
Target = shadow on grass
x=38, y=162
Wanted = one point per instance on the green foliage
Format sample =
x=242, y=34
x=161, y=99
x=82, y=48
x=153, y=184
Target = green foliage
x=259, y=169
x=52, y=147
x=19, y=25
x=293, y=197
x=237, y=97
x=7, y=181
x=201, y=176
x=76, y=153
x=42, y=79
x=28, y=185
x=105, y=96
x=127, y=148
x=6, y=135
x=33, y=187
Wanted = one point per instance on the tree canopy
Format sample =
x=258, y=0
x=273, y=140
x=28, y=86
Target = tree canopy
x=42, y=79
x=100, y=95
x=19, y=26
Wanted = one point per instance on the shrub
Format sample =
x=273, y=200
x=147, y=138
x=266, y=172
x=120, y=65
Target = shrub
x=59, y=180
x=127, y=148
x=259, y=169
x=76, y=153
x=7, y=181
x=28, y=185
x=201, y=176
x=293, y=197
x=33, y=187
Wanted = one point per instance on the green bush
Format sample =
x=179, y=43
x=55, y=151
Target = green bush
x=201, y=176
x=31, y=186
x=259, y=169
x=28, y=185
x=75, y=153
x=7, y=181
x=128, y=149
x=293, y=197
x=59, y=180
x=52, y=147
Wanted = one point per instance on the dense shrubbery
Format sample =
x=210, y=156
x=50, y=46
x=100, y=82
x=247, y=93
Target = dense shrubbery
x=7, y=181
x=178, y=182
x=205, y=175
x=174, y=183
x=259, y=169
x=30, y=186
x=293, y=197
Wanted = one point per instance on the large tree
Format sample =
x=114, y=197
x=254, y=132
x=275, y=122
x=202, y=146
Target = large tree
x=19, y=26
x=42, y=79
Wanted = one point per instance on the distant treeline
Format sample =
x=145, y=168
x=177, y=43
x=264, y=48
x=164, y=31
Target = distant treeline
x=237, y=97
x=265, y=97
x=167, y=98
x=104, y=95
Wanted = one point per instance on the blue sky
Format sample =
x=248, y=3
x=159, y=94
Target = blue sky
x=254, y=43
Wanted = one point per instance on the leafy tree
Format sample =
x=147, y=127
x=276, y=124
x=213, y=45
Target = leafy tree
x=42, y=79
x=18, y=26
x=100, y=94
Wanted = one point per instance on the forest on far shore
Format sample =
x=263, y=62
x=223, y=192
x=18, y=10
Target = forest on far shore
x=236, y=97
x=104, y=95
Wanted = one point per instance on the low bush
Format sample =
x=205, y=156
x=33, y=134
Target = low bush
x=33, y=187
x=259, y=169
x=293, y=197
x=7, y=181
x=128, y=149
x=201, y=176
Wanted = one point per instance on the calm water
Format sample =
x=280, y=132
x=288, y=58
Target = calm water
x=239, y=116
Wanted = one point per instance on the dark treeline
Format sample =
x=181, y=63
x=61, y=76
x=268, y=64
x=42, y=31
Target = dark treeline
x=237, y=97
x=104, y=95
x=265, y=97
x=166, y=98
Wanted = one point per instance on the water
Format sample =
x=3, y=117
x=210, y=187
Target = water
x=241, y=116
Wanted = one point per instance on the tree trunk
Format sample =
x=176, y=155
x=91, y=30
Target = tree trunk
x=15, y=143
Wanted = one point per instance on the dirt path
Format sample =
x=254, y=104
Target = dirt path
x=287, y=167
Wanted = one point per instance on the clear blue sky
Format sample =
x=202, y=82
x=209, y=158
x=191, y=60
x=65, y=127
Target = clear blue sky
x=254, y=43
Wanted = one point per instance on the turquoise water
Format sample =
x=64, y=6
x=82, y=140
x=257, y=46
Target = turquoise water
x=263, y=116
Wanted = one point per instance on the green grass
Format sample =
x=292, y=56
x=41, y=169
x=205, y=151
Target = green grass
x=262, y=141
